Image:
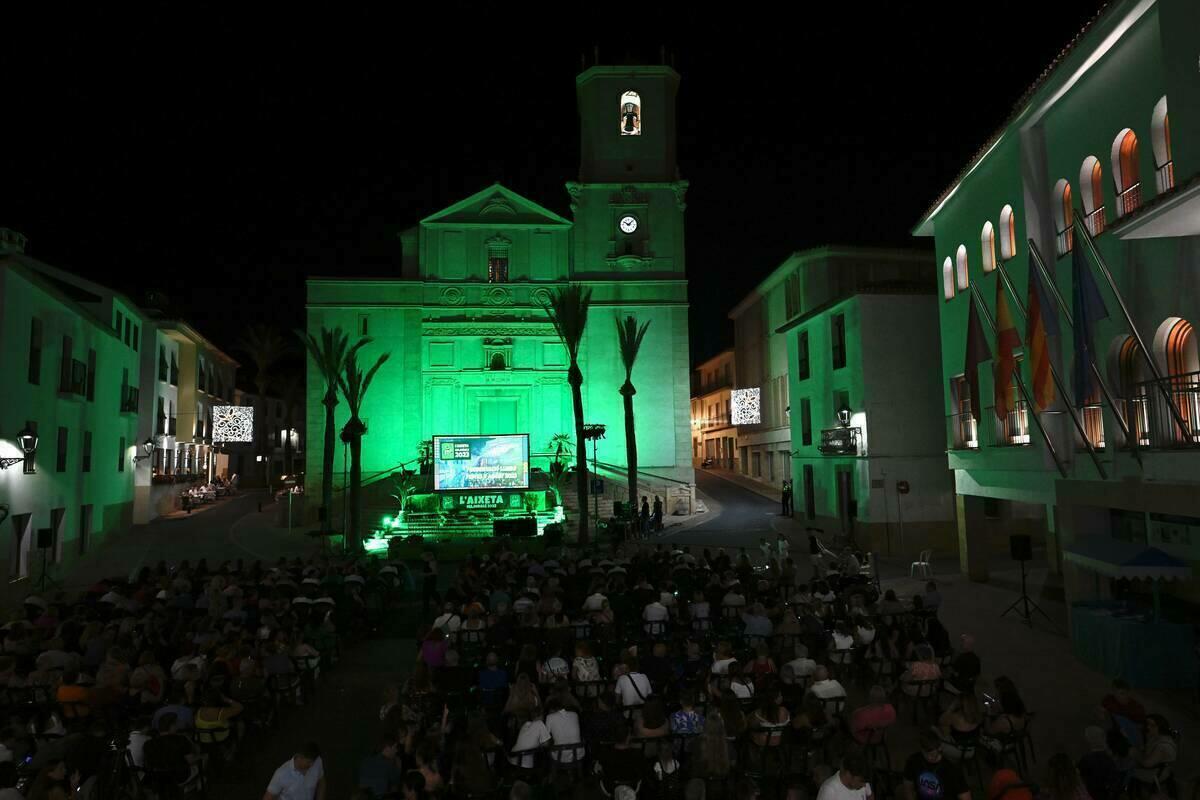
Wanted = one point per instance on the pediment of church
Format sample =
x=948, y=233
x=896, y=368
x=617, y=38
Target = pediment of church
x=496, y=206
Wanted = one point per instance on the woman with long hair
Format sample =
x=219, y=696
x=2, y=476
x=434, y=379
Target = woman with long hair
x=1063, y=781
x=769, y=719
x=710, y=755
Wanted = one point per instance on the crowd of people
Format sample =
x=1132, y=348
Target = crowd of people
x=651, y=672
x=153, y=683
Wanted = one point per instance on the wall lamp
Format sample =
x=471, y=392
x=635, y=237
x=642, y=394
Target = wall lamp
x=28, y=442
x=147, y=451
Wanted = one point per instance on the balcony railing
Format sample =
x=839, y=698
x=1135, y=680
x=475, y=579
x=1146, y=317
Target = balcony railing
x=1164, y=176
x=1092, y=416
x=1129, y=200
x=962, y=432
x=1150, y=417
x=1095, y=221
x=129, y=399
x=74, y=378
x=1011, y=429
x=1065, y=241
x=840, y=441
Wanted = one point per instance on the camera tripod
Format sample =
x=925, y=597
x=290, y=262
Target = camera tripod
x=1024, y=606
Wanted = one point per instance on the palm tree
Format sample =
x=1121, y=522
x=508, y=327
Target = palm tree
x=291, y=390
x=354, y=384
x=329, y=353
x=629, y=336
x=560, y=443
x=264, y=345
x=568, y=310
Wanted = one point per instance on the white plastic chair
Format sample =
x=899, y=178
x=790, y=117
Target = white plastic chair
x=922, y=564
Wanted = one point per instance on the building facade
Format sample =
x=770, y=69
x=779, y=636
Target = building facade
x=713, y=433
x=1097, y=164
x=473, y=351
x=282, y=448
x=71, y=351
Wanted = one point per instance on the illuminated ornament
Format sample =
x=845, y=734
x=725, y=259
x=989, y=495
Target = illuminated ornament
x=745, y=406
x=233, y=424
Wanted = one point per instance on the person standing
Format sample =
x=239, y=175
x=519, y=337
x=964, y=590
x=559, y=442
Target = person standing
x=301, y=777
x=786, y=499
x=644, y=516
x=658, y=513
x=781, y=547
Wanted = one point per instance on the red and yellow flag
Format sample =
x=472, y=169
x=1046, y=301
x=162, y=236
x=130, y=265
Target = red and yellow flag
x=1041, y=323
x=1008, y=339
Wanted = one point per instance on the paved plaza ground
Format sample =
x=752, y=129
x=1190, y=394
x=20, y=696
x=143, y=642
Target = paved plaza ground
x=1062, y=691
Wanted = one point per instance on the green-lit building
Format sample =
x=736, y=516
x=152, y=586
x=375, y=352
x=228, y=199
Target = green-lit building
x=472, y=351
x=1103, y=147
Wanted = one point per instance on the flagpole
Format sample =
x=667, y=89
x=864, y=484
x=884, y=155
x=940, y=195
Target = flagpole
x=1062, y=392
x=1112, y=284
x=1062, y=470
x=1048, y=280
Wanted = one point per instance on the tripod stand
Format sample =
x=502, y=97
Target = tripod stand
x=1027, y=606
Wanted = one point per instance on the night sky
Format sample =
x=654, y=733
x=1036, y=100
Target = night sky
x=224, y=158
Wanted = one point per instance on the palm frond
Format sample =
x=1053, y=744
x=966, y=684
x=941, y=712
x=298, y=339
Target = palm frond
x=629, y=337
x=568, y=311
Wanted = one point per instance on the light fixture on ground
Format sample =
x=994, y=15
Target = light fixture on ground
x=27, y=440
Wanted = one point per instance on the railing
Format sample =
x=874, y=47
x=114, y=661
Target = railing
x=1064, y=241
x=129, y=399
x=1095, y=221
x=74, y=378
x=1129, y=200
x=962, y=432
x=840, y=441
x=1164, y=176
x=1011, y=429
x=1093, y=424
x=172, y=426
x=1152, y=419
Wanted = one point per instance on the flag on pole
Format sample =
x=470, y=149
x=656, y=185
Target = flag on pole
x=977, y=353
x=1041, y=323
x=1008, y=339
x=1089, y=309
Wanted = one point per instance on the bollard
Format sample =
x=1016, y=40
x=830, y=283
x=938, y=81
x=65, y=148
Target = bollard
x=260, y=506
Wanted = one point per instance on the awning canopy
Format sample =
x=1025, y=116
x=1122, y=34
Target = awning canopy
x=1119, y=559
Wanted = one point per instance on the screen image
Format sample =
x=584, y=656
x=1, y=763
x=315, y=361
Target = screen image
x=480, y=462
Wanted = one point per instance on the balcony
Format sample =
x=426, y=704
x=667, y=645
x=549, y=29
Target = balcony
x=74, y=378
x=1095, y=221
x=962, y=432
x=1150, y=418
x=1012, y=429
x=129, y=399
x=1129, y=200
x=1064, y=241
x=1164, y=177
x=840, y=441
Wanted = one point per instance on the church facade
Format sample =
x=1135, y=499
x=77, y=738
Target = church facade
x=473, y=351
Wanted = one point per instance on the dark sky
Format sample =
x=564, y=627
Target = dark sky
x=223, y=157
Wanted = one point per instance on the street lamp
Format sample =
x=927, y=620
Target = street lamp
x=593, y=432
x=27, y=440
x=147, y=450
x=843, y=417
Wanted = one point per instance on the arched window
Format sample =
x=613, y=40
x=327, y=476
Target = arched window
x=1008, y=233
x=960, y=264
x=1091, y=183
x=987, y=241
x=1131, y=386
x=1125, y=172
x=631, y=114
x=497, y=362
x=1175, y=346
x=1160, y=136
x=948, y=278
x=1063, y=216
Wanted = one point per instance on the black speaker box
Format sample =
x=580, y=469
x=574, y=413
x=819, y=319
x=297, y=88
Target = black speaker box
x=517, y=527
x=1021, y=547
x=45, y=538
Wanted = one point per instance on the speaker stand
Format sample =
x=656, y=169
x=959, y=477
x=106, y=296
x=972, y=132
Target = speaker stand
x=1024, y=606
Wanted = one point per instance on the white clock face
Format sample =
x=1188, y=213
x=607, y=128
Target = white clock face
x=629, y=223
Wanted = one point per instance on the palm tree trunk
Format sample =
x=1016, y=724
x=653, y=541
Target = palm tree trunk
x=575, y=378
x=327, y=461
x=355, y=538
x=627, y=391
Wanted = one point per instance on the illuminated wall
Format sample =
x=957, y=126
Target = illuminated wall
x=469, y=356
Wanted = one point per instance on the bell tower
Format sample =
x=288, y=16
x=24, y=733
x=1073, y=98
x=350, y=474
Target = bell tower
x=629, y=200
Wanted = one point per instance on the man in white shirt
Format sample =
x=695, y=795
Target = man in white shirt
x=301, y=777
x=823, y=687
x=532, y=734
x=563, y=725
x=799, y=667
x=848, y=783
x=633, y=687
x=449, y=622
x=595, y=601
x=654, y=612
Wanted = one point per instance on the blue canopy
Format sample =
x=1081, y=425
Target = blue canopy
x=1119, y=559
